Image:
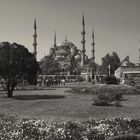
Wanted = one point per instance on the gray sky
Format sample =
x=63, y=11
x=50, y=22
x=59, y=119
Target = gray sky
x=116, y=24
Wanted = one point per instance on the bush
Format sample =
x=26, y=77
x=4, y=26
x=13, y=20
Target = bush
x=111, y=80
x=108, y=98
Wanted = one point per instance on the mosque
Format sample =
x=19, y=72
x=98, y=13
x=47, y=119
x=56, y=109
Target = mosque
x=67, y=51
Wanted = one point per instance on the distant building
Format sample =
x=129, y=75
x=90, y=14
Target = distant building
x=128, y=72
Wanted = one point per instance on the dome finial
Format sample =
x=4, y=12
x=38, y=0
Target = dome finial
x=66, y=38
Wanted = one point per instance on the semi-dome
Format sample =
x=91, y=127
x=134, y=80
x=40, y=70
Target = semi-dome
x=58, y=57
x=51, y=52
x=78, y=57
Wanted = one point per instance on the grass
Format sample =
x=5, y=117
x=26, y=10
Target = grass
x=59, y=105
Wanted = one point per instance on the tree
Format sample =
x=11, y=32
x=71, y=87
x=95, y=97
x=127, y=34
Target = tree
x=93, y=65
x=49, y=66
x=74, y=67
x=16, y=63
x=113, y=60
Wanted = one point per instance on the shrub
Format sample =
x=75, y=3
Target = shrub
x=108, y=98
x=111, y=79
x=81, y=89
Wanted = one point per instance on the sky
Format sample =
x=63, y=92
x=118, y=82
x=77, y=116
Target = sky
x=116, y=25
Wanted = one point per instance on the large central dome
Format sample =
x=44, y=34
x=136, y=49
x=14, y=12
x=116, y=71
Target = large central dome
x=67, y=43
x=63, y=52
x=67, y=46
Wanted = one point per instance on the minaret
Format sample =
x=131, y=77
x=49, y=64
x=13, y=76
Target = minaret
x=83, y=42
x=35, y=39
x=139, y=56
x=93, y=49
x=54, y=45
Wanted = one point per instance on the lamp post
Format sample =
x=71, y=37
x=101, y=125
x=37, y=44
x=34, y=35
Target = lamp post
x=109, y=69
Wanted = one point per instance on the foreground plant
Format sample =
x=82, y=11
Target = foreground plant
x=15, y=128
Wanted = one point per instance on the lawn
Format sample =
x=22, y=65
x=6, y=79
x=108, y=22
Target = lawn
x=57, y=104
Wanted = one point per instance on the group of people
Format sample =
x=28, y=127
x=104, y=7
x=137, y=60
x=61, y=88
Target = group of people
x=47, y=82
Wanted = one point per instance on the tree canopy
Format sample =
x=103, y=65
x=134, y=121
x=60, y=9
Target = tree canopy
x=113, y=60
x=49, y=66
x=16, y=63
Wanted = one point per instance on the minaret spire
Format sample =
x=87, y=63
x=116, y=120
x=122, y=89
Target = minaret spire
x=139, y=56
x=93, y=48
x=54, y=39
x=83, y=20
x=35, y=39
x=83, y=42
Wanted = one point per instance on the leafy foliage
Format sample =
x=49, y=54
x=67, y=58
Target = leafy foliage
x=110, y=80
x=108, y=98
x=16, y=63
x=49, y=66
x=113, y=60
x=36, y=129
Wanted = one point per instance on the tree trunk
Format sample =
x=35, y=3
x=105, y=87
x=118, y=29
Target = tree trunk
x=10, y=94
x=10, y=88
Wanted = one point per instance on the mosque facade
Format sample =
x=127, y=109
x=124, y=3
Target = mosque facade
x=66, y=52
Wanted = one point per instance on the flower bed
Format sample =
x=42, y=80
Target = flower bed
x=107, y=95
x=35, y=129
x=96, y=89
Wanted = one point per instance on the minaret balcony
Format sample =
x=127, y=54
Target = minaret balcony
x=34, y=44
x=83, y=51
x=83, y=32
x=35, y=35
x=83, y=41
x=54, y=45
